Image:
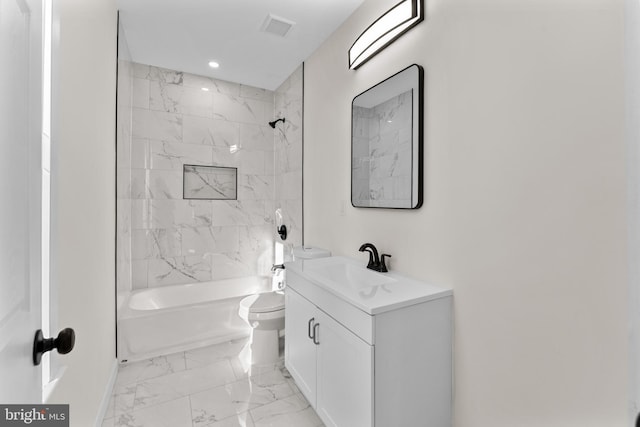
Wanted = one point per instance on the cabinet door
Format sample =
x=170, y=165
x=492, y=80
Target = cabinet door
x=345, y=372
x=300, y=351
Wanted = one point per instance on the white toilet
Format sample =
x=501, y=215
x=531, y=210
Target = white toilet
x=264, y=312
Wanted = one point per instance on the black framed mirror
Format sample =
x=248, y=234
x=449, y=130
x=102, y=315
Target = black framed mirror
x=387, y=142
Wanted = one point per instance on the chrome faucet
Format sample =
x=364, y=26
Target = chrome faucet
x=376, y=263
x=277, y=276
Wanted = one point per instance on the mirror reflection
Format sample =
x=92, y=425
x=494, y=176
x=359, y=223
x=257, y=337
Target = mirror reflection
x=386, y=143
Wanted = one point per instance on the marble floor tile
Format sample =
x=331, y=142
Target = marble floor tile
x=214, y=405
x=184, y=383
x=291, y=411
x=175, y=413
x=143, y=370
x=123, y=401
x=242, y=364
x=238, y=397
x=240, y=420
x=214, y=386
x=207, y=355
x=240, y=368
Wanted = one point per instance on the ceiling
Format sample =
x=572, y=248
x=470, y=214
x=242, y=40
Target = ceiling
x=186, y=34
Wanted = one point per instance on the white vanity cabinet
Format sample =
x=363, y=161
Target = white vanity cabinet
x=331, y=365
x=368, y=355
x=300, y=350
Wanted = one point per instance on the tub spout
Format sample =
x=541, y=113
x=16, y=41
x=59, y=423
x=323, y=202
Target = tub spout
x=277, y=267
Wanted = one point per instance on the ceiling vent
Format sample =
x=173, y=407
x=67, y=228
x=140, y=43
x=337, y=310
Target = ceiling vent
x=276, y=25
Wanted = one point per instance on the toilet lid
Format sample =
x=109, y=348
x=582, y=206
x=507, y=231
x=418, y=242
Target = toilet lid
x=263, y=303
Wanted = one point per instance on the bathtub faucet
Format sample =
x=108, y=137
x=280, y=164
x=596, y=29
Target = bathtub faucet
x=277, y=267
x=278, y=278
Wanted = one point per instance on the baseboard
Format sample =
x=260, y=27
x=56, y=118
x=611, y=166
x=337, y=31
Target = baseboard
x=108, y=391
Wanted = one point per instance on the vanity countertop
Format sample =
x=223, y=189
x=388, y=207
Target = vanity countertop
x=367, y=290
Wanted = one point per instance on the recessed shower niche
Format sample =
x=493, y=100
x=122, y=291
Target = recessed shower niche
x=209, y=182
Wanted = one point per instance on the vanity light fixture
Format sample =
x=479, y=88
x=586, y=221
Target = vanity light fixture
x=395, y=22
x=213, y=64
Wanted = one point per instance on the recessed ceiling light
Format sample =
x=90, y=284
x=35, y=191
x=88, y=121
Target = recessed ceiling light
x=206, y=89
x=213, y=64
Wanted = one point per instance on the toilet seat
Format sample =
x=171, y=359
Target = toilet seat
x=263, y=303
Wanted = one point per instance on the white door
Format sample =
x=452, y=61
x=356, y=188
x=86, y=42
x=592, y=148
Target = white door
x=20, y=194
x=300, y=351
x=345, y=373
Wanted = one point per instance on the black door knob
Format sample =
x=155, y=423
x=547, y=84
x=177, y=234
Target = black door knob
x=64, y=343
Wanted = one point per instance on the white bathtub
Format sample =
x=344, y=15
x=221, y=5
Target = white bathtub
x=168, y=319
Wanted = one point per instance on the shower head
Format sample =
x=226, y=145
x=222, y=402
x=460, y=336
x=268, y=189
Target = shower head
x=273, y=123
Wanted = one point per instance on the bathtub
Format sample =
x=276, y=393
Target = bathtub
x=169, y=319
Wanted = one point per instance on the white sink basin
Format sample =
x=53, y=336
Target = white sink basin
x=324, y=279
x=354, y=276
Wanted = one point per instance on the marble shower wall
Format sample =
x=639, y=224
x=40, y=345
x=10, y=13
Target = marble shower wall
x=123, y=144
x=288, y=159
x=382, y=162
x=180, y=118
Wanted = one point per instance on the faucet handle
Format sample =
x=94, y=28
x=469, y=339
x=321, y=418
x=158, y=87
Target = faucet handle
x=383, y=266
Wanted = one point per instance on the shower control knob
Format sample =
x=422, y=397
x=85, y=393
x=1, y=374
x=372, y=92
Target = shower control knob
x=282, y=231
x=64, y=343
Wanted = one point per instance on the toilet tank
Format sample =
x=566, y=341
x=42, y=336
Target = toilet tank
x=309, y=252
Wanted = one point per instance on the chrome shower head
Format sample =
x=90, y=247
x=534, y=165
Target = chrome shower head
x=273, y=123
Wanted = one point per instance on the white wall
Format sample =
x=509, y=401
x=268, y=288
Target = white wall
x=124, y=118
x=632, y=91
x=525, y=197
x=83, y=135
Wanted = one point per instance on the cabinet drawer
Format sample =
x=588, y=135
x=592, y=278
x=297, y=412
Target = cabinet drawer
x=352, y=318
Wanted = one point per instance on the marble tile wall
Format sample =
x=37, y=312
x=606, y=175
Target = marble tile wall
x=382, y=153
x=288, y=158
x=123, y=189
x=180, y=118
